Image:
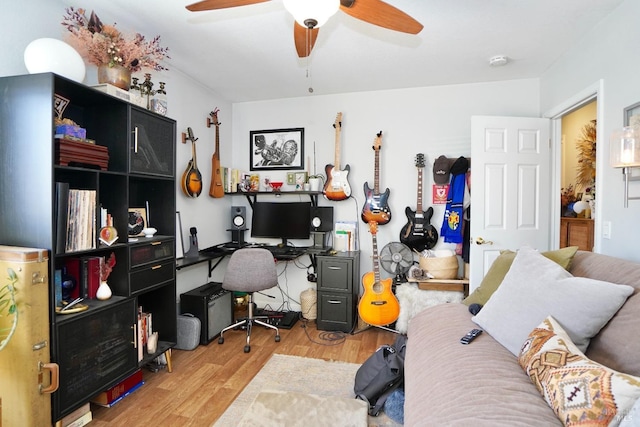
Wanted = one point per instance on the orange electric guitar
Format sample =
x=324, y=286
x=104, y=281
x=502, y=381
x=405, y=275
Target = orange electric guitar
x=337, y=187
x=191, y=178
x=216, y=189
x=376, y=207
x=378, y=305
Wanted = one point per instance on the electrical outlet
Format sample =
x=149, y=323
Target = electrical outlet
x=291, y=178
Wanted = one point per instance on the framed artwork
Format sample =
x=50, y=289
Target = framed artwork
x=137, y=221
x=632, y=115
x=277, y=149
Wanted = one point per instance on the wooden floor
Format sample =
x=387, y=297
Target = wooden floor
x=206, y=380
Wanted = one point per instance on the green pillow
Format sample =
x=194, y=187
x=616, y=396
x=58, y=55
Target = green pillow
x=501, y=265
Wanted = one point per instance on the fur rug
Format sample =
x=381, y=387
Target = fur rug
x=413, y=300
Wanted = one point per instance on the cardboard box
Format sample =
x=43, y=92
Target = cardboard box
x=108, y=397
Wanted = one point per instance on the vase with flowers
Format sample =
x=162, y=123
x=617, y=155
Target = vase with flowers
x=115, y=55
x=106, y=266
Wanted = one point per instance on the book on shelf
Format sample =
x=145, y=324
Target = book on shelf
x=62, y=206
x=116, y=393
x=90, y=276
x=81, y=220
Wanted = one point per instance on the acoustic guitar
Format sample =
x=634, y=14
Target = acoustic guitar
x=337, y=187
x=378, y=305
x=216, y=189
x=192, y=178
x=418, y=233
x=376, y=207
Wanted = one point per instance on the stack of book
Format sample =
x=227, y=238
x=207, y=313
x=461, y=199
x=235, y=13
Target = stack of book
x=78, y=418
x=115, y=394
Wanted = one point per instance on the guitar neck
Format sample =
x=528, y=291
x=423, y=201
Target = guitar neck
x=217, y=153
x=419, y=203
x=376, y=267
x=336, y=163
x=193, y=155
x=376, y=173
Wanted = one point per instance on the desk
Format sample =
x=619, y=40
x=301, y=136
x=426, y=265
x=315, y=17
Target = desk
x=215, y=254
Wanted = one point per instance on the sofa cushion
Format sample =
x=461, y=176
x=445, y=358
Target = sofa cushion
x=536, y=287
x=501, y=265
x=479, y=385
x=577, y=388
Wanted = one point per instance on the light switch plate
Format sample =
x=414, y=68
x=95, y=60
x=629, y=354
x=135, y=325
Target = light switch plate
x=291, y=178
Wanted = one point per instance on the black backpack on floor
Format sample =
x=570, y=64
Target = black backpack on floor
x=381, y=374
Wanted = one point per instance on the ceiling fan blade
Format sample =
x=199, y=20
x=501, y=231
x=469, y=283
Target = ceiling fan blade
x=304, y=39
x=220, y=4
x=379, y=13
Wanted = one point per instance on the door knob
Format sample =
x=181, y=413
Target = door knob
x=481, y=241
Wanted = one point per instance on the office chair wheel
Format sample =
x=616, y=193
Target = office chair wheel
x=221, y=340
x=277, y=338
x=247, y=348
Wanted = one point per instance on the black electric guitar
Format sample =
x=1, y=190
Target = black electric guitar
x=418, y=233
x=376, y=207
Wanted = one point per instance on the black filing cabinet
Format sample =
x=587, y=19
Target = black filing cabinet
x=338, y=285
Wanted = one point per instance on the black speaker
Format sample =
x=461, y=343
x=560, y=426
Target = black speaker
x=238, y=218
x=321, y=218
x=212, y=305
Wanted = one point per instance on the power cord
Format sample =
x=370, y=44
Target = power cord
x=329, y=338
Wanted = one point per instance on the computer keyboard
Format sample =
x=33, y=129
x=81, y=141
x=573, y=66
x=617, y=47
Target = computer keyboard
x=286, y=251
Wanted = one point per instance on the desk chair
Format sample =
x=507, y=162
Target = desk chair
x=250, y=270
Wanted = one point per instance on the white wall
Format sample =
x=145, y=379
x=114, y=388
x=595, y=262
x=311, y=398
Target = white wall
x=189, y=104
x=432, y=120
x=608, y=52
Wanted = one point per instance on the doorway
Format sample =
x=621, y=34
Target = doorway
x=577, y=177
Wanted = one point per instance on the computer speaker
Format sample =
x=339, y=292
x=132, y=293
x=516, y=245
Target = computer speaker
x=321, y=218
x=238, y=217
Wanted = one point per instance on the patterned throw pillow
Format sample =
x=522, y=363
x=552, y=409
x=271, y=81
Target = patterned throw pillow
x=579, y=390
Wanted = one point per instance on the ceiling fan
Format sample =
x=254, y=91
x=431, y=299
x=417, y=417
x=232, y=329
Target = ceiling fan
x=306, y=27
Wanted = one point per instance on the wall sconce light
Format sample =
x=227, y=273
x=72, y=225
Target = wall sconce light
x=625, y=153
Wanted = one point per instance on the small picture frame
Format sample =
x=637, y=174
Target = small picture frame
x=300, y=180
x=277, y=149
x=137, y=221
x=632, y=115
x=579, y=196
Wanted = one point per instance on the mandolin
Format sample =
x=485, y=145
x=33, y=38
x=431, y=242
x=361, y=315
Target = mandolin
x=376, y=207
x=216, y=189
x=337, y=187
x=418, y=233
x=192, y=178
x=378, y=305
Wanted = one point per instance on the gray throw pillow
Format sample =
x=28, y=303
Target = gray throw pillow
x=536, y=287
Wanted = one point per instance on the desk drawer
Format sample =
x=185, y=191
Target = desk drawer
x=335, y=312
x=145, y=278
x=151, y=252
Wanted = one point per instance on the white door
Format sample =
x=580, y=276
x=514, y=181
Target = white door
x=510, y=188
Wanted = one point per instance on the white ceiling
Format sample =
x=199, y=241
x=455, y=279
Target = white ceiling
x=247, y=53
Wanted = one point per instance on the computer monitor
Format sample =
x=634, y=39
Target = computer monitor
x=286, y=220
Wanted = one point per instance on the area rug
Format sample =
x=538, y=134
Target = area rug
x=301, y=375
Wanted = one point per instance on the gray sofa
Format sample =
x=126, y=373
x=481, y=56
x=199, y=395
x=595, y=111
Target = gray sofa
x=482, y=384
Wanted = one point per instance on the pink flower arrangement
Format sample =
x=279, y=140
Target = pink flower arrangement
x=106, y=266
x=103, y=44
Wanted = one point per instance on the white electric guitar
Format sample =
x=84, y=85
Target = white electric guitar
x=337, y=187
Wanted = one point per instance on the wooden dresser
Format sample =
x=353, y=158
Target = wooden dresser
x=576, y=232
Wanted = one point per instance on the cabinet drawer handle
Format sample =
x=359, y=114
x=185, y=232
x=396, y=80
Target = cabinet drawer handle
x=135, y=140
x=334, y=268
x=155, y=267
x=134, y=329
x=55, y=377
x=156, y=243
x=333, y=301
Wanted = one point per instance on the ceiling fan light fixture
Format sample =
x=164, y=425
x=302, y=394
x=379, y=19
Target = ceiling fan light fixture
x=312, y=13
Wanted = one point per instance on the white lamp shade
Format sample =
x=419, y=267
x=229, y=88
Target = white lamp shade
x=624, y=148
x=52, y=55
x=318, y=10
